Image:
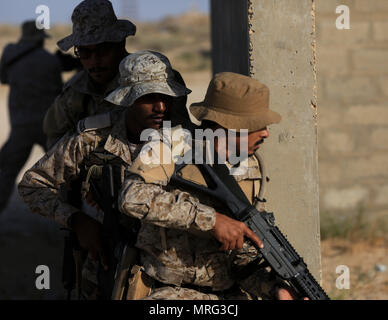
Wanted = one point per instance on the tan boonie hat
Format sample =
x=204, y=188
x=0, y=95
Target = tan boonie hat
x=94, y=22
x=235, y=101
x=142, y=73
x=31, y=33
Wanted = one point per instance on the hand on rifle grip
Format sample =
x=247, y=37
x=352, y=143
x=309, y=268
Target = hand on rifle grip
x=231, y=233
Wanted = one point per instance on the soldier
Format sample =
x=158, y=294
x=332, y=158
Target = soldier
x=99, y=41
x=181, y=232
x=34, y=77
x=148, y=88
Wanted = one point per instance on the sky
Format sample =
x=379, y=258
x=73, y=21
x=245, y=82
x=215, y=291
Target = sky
x=17, y=11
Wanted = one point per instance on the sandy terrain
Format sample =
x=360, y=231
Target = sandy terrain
x=364, y=260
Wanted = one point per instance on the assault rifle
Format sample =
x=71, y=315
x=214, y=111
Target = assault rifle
x=116, y=239
x=277, y=251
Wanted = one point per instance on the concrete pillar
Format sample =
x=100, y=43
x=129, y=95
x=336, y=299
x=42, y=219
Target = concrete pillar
x=281, y=53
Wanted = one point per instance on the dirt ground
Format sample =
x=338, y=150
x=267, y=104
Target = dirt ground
x=364, y=260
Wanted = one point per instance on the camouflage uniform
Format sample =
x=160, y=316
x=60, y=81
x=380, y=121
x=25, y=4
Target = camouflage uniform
x=101, y=139
x=41, y=185
x=79, y=99
x=34, y=77
x=94, y=22
x=176, y=247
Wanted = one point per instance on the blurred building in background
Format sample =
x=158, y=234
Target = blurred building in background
x=353, y=110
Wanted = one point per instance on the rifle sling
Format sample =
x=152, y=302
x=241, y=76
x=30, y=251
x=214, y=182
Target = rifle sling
x=222, y=172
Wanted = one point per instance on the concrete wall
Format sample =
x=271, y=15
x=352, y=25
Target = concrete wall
x=281, y=55
x=353, y=109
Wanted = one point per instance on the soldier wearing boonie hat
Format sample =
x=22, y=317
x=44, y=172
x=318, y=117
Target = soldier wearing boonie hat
x=94, y=21
x=235, y=101
x=98, y=39
x=147, y=85
x=188, y=249
x=142, y=73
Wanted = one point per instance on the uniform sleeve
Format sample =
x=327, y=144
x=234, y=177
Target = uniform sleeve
x=153, y=204
x=40, y=185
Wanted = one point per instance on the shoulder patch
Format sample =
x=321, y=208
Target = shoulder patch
x=152, y=166
x=98, y=121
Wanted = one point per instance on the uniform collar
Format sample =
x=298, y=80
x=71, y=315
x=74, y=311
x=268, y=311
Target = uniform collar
x=252, y=172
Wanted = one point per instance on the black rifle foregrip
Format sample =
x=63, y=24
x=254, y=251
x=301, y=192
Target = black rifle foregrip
x=282, y=257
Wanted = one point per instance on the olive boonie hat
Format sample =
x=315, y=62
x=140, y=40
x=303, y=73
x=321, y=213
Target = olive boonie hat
x=235, y=101
x=142, y=73
x=31, y=33
x=94, y=22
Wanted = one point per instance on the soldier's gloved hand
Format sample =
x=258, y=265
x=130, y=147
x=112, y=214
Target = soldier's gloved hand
x=231, y=233
x=88, y=232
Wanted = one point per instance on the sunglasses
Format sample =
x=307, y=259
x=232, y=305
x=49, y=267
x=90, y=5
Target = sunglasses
x=100, y=50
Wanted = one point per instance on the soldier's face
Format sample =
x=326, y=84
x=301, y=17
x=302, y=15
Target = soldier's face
x=256, y=138
x=148, y=111
x=252, y=140
x=101, y=61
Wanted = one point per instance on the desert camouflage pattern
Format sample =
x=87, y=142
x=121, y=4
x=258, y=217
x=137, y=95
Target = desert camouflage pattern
x=40, y=186
x=142, y=73
x=89, y=283
x=78, y=99
x=94, y=21
x=175, y=239
x=258, y=286
x=178, y=293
